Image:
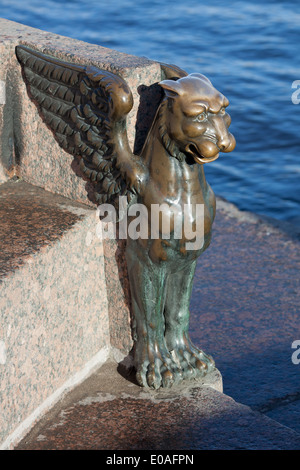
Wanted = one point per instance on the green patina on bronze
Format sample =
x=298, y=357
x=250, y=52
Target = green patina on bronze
x=86, y=108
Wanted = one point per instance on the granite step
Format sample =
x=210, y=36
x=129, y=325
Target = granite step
x=53, y=298
x=109, y=411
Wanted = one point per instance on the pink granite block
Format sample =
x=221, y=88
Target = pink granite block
x=53, y=299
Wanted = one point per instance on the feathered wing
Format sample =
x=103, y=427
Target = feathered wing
x=86, y=109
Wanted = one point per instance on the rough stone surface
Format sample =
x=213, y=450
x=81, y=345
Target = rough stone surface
x=110, y=412
x=53, y=300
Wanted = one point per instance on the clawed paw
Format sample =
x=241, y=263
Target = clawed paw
x=186, y=362
x=157, y=374
x=194, y=363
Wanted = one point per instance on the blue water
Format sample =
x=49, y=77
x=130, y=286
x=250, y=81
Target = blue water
x=249, y=50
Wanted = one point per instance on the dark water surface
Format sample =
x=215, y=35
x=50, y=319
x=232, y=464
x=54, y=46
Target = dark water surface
x=249, y=50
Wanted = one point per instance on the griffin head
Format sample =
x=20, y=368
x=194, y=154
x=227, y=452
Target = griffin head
x=196, y=117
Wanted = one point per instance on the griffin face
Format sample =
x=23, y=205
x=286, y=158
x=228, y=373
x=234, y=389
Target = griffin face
x=197, y=118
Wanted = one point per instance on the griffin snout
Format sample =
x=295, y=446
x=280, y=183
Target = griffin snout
x=215, y=139
x=207, y=148
x=224, y=139
x=223, y=142
x=226, y=143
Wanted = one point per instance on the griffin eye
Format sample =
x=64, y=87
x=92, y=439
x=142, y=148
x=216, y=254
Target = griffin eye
x=201, y=117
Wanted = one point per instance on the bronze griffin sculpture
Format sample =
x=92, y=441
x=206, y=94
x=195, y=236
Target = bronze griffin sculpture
x=86, y=108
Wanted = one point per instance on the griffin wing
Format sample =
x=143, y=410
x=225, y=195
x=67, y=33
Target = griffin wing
x=86, y=109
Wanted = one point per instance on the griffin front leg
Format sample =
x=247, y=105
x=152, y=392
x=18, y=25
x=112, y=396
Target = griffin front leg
x=154, y=365
x=193, y=362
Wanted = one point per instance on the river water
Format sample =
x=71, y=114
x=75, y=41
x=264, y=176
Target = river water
x=249, y=50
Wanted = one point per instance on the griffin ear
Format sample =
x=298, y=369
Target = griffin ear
x=171, y=87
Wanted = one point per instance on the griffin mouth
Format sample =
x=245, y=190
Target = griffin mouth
x=198, y=157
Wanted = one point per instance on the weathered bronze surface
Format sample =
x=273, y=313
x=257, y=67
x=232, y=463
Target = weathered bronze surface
x=86, y=108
